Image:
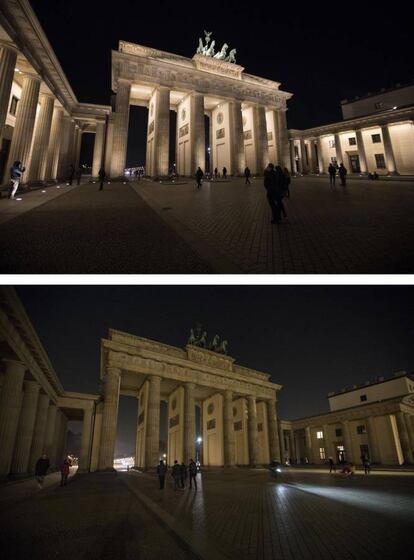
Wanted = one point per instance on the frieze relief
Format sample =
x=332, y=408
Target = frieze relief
x=181, y=373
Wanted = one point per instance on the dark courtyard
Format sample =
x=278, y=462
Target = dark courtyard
x=146, y=227
x=236, y=513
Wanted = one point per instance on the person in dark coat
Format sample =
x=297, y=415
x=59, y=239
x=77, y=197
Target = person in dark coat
x=216, y=173
x=287, y=177
x=176, y=474
x=161, y=470
x=64, y=472
x=199, y=176
x=71, y=173
x=332, y=466
x=41, y=468
x=102, y=176
x=192, y=470
x=342, y=174
x=224, y=172
x=247, y=175
x=79, y=175
x=183, y=474
x=16, y=174
x=332, y=174
x=275, y=185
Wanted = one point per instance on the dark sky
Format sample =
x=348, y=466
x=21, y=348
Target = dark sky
x=321, y=52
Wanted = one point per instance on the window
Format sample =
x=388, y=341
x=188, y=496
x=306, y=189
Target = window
x=260, y=427
x=338, y=432
x=319, y=435
x=331, y=143
x=380, y=161
x=322, y=453
x=13, y=105
x=238, y=426
x=211, y=424
x=361, y=430
x=362, y=398
x=376, y=138
x=352, y=141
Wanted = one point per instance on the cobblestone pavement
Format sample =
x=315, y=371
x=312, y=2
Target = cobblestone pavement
x=301, y=515
x=87, y=231
x=94, y=517
x=368, y=227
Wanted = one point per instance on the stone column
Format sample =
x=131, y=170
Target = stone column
x=274, y=443
x=283, y=138
x=85, y=440
x=260, y=132
x=77, y=149
x=320, y=155
x=25, y=120
x=409, y=422
x=120, y=131
x=292, y=156
x=162, y=133
x=292, y=446
x=388, y=151
x=404, y=438
x=10, y=403
x=189, y=422
x=38, y=159
x=98, y=148
x=228, y=430
x=25, y=428
x=282, y=443
x=109, y=418
x=309, y=449
x=51, y=168
x=39, y=432
x=152, y=446
x=8, y=55
x=252, y=429
x=374, y=453
x=361, y=151
x=198, y=142
x=311, y=148
x=70, y=160
x=50, y=431
x=349, y=453
x=238, y=164
x=338, y=149
x=305, y=166
x=54, y=459
x=63, y=155
x=109, y=144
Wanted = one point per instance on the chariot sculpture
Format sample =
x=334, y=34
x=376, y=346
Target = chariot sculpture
x=198, y=337
x=207, y=49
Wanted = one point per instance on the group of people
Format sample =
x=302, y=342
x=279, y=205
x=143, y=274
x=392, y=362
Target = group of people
x=342, y=172
x=277, y=183
x=42, y=466
x=348, y=468
x=179, y=473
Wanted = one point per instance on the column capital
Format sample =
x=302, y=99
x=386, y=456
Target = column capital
x=31, y=386
x=113, y=371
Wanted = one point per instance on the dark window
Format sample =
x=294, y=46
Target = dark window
x=238, y=426
x=362, y=398
x=361, y=430
x=338, y=432
x=13, y=105
x=260, y=427
x=211, y=424
x=352, y=141
x=174, y=421
x=380, y=161
x=376, y=138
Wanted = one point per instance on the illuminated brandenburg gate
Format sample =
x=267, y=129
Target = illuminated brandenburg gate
x=237, y=405
x=247, y=114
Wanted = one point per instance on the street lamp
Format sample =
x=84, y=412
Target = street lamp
x=198, y=440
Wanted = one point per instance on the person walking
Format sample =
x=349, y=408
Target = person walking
x=183, y=474
x=274, y=183
x=79, y=175
x=247, y=175
x=332, y=174
x=287, y=178
x=342, y=174
x=64, y=473
x=216, y=173
x=101, y=176
x=41, y=468
x=16, y=174
x=176, y=473
x=71, y=173
x=224, y=172
x=192, y=470
x=199, y=176
x=332, y=466
x=161, y=470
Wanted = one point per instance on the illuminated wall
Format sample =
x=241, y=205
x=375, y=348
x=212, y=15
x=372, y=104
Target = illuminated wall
x=175, y=449
x=241, y=445
x=213, y=453
x=141, y=425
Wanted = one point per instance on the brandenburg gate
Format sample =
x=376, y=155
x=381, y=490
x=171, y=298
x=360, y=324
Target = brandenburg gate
x=238, y=405
x=247, y=114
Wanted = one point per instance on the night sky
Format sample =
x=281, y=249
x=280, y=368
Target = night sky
x=321, y=52
x=311, y=339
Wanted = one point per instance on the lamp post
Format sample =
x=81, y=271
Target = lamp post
x=198, y=440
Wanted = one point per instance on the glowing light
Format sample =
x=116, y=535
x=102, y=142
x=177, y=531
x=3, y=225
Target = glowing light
x=199, y=439
x=43, y=191
x=58, y=187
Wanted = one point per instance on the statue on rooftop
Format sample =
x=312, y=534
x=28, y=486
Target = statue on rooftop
x=207, y=49
x=223, y=53
x=232, y=56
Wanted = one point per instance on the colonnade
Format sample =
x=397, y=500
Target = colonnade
x=182, y=419
x=46, y=138
x=30, y=422
x=318, y=443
